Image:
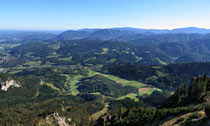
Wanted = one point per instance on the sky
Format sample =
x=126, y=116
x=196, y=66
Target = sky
x=77, y=14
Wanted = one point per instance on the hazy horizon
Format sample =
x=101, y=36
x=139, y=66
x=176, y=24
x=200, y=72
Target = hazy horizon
x=37, y=29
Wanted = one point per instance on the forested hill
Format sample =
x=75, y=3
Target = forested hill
x=136, y=48
x=196, y=92
x=181, y=47
x=94, y=52
x=168, y=77
x=189, y=105
x=135, y=33
x=106, y=52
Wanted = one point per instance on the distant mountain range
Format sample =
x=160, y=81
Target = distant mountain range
x=126, y=32
x=188, y=30
x=103, y=34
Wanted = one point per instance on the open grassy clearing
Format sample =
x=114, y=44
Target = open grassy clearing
x=156, y=67
x=161, y=62
x=147, y=91
x=27, y=65
x=53, y=55
x=124, y=82
x=71, y=81
x=49, y=85
x=91, y=72
x=143, y=89
x=91, y=58
x=55, y=47
x=131, y=96
x=52, y=86
x=152, y=78
x=19, y=67
x=33, y=63
x=96, y=115
x=15, y=71
x=96, y=93
x=161, y=74
x=105, y=50
x=113, y=60
x=66, y=59
x=28, y=54
x=4, y=70
x=155, y=77
x=138, y=58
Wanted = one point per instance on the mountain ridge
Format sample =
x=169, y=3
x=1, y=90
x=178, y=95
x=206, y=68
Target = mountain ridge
x=188, y=30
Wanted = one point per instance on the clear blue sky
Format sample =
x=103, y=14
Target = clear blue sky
x=75, y=14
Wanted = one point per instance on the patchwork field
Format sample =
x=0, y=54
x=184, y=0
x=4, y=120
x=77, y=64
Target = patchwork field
x=143, y=89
